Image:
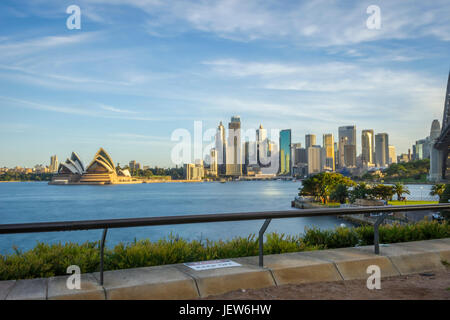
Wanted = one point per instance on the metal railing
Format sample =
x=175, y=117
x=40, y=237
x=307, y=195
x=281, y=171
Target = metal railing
x=268, y=216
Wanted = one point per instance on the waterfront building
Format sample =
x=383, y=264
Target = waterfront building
x=221, y=148
x=367, y=147
x=285, y=152
x=234, y=148
x=392, y=156
x=262, y=147
x=328, y=145
x=382, y=149
x=100, y=171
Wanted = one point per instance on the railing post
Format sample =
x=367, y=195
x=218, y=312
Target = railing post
x=376, y=234
x=261, y=241
x=102, y=249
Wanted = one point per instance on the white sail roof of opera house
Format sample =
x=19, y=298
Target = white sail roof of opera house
x=73, y=165
x=101, y=159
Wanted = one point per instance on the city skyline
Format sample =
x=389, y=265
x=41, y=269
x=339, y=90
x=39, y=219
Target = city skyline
x=127, y=84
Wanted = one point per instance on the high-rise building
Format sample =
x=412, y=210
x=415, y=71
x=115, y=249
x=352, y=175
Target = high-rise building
x=53, y=164
x=213, y=167
x=314, y=159
x=392, y=155
x=328, y=145
x=310, y=140
x=262, y=147
x=343, y=141
x=285, y=152
x=234, y=148
x=382, y=149
x=350, y=155
x=367, y=147
x=221, y=148
x=347, y=136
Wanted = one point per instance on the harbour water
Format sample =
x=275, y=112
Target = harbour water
x=24, y=202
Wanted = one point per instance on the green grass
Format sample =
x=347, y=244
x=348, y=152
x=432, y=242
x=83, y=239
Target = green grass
x=47, y=260
x=411, y=202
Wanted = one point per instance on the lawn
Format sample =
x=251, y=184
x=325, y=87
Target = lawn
x=410, y=202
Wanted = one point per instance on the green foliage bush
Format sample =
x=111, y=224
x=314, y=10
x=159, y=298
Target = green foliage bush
x=47, y=260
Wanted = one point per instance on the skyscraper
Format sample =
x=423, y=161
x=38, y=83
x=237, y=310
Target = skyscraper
x=221, y=148
x=262, y=147
x=382, y=149
x=285, y=152
x=314, y=159
x=392, y=155
x=234, y=148
x=328, y=145
x=310, y=140
x=347, y=136
x=367, y=147
x=54, y=164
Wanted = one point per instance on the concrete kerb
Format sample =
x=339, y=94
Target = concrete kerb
x=160, y=282
x=352, y=263
x=32, y=289
x=90, y=289
x=218, y=281
x=415, y=257
x=295, y=268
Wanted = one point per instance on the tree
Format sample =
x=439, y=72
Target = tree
x=437, y=190
x=340, y=193
x=360, y=191
x=381, y=191
x=400, y=189
x=321, y=185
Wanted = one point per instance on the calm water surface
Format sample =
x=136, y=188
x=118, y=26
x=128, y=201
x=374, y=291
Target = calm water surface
x=38, y=202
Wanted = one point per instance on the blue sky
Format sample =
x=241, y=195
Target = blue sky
x=139, y=69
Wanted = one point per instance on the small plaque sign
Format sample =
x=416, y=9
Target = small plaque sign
x=213, y=264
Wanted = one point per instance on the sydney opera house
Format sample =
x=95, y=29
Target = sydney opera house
x=99, y=172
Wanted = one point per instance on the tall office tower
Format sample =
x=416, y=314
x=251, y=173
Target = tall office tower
x=262, y=147
x=382, y=149
x=343, y=141
x=234, y=148
x=285, y=152
x=336, y=155
x=310, y=140
x=348, y=132
x=314, y=154
x=392, y=155
x=294, y=147
x=367, y=147
x=213, y=162
x=221, y=148
x=350, y=155
x=53, y=164
x=301, y=156
x=328, y=145
x=132, y=165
